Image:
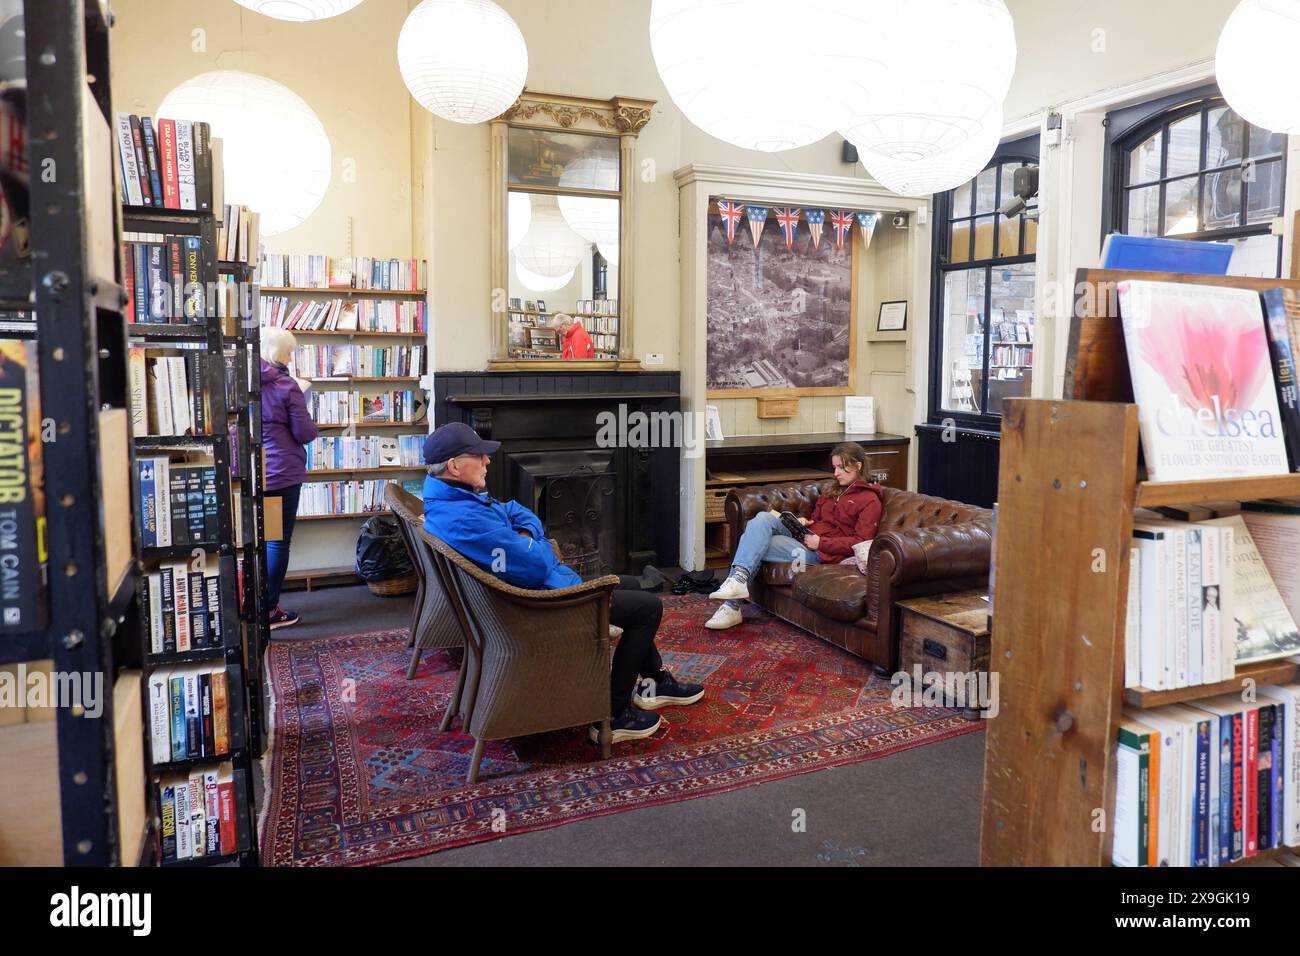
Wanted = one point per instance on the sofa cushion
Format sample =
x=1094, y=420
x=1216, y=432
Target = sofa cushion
x=838, y=591
x=778, y=574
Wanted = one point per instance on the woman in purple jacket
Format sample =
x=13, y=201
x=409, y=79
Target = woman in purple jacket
x=286, y=427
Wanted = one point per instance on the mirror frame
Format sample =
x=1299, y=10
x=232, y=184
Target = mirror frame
x=621, y=116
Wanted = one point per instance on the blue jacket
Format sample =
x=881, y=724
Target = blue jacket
x=487, y=532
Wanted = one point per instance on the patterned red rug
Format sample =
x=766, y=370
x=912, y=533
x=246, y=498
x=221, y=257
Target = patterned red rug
x=359, y=775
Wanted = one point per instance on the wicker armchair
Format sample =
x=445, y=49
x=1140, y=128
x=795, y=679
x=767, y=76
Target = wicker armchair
x=432, y=624
x=535, y=660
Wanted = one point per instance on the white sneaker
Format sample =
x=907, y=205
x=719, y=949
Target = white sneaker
x=725, y=617
x=731, y=590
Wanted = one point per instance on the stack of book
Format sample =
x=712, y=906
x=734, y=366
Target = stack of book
x=238, y=234
x=597, y=307
x=167, y=165
x=367, y=451
x=182, y=599
x=189, y=712
x=320, y=498
x=167, y=394
x=361, y=361
x=164, y=278
x=178, y=502
x=359, y=408
x=1208, y=783
x=338, y=315
x=198, y=814
x=362, y=272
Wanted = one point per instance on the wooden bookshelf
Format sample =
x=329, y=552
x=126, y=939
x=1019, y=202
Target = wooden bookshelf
x=354, y=333
x=1067, y=489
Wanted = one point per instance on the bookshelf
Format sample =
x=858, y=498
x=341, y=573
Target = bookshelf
x=1068, y=485
x=73, y=790
x=334, y=543
x=233, y=441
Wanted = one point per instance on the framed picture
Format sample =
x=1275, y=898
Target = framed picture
x=712, y=424
x=530, y=306
x=551, y=159
x=542, y=339
x=893, y=316
x=781, y=317
x=541, y=305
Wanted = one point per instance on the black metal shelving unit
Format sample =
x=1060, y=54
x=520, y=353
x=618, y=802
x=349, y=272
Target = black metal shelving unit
x=241, y=613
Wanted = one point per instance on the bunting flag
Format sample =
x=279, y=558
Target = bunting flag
x=867, y=223
x=842, y=221
x=816, y=218
x=757, y=216
x=788, y=218
x=730, y=213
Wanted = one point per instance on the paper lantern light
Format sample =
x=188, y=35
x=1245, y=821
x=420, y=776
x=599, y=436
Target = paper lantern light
x=299, y=11
x=939, y=172
x=520, y=217
x=462, y=60
x=922, y=108
x=538, y=283
x=550, y=248
x=277, y=157
x=769, y=75
x=596, y=220
x=1255, y=63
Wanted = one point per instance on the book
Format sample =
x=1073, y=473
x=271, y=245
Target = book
x=1198, y=357
x=1279, y=304
x=167, y=156
x=1153, y=254
x=151, y=156
x=185, y=164
x=141, y=163
x=22, y=490
x=126, y=156
x=1263, y=628
x=1286, y=699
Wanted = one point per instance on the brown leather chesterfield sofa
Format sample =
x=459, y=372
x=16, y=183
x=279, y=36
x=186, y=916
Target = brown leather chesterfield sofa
x=924, y=545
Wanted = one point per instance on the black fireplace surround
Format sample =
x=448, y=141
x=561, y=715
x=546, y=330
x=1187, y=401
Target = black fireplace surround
x=611, y=509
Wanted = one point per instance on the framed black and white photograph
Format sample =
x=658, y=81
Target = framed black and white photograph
x=893, y=317
x=781, y=317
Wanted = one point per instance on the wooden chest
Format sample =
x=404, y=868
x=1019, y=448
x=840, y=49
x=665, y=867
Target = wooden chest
x=945, y=634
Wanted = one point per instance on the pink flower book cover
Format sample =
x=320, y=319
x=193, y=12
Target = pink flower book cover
x=1203, y=381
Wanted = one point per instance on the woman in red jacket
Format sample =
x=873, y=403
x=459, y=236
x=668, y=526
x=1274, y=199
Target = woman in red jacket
x=846, y=514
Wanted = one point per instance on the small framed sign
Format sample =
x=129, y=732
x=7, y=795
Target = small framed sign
x=893, y=317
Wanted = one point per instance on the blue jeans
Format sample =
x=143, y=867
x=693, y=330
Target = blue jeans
x=277, y=552
x=766, y=539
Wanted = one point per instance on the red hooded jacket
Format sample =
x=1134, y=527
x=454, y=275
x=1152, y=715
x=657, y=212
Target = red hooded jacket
x=842, y=522
x=577, y=343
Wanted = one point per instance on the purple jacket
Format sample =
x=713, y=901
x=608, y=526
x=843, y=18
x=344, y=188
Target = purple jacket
x=286, y=427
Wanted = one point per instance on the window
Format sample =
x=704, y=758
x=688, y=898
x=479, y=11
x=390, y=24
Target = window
x=984, y=274
x=1189, y=167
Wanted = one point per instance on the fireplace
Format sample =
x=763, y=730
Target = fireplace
x=612, y=510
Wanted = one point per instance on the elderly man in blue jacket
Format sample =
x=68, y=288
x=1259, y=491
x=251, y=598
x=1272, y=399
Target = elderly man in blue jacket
x=507, y=536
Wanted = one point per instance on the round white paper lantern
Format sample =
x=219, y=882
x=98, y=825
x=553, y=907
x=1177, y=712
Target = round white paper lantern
x=609, y=252
x=938, y=172
x=276, y=154
x=924, y=107
x=1255, y=63
x=538, y=283
x=299, y=11
x=550, y=248
x=596, y=220
x=520, y=216
x=769, y=75
x=463, y=60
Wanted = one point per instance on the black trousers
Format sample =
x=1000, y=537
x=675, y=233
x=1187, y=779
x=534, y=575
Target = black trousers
x=638, y=613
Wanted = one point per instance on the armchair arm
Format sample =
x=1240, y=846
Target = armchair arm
x=742, y=504
x=922, y=554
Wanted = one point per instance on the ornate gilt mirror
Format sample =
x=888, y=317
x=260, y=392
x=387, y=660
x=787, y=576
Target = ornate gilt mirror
x=562, y=240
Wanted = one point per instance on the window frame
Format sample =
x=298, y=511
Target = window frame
x=1026, y=152
x=1130, y=126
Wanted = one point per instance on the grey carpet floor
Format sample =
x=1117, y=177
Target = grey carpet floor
x=920, y=807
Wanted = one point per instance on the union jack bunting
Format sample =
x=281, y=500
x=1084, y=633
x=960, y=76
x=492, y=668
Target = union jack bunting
x=842, y=221
x=788, y=218
x=816, y=218
x=757, y=216
x=867, y=223
x=730, y=213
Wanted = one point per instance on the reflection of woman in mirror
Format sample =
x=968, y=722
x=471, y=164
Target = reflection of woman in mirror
x=576, y=341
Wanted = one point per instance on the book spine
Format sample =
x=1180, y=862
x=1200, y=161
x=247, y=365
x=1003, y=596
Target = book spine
x=1238, y=785
x=126, y=153
x=159, y=289
x=220, y=712
x=1249, y=780
x=1194, y=605
x=167, y=835
x=141, y=163
x=140, y=287
x=212, y=814
x=196, y=813
x=211, y=525
x=1211, y=624
x=1264, y=779
x=151, y=155
x=206, y=742
x=156, y=631
x=179, y=501
x=226, y=789
x=179, y=746
x=176, y=261
x=148, y=503
x=197, y=406
x=1284, y=372
x=198, y=611
x=194, y=515
x=167, y=151
x=195, y=304
x=159, y=718
x=185, y=163
x=212, y=584
x=180, y=594
x=193, y=719
x=168, y=610
x=1201, y=834
x=1180, y=608
x=203, y=165
x=1224, y=756
x=184, y=834
x=139, y=392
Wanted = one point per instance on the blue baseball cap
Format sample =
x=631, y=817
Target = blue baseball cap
x=455, y=438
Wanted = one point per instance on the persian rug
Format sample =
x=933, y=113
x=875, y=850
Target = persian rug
x=358, y=773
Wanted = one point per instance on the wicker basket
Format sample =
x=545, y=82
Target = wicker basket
x=715, y=503
x=392, y=587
